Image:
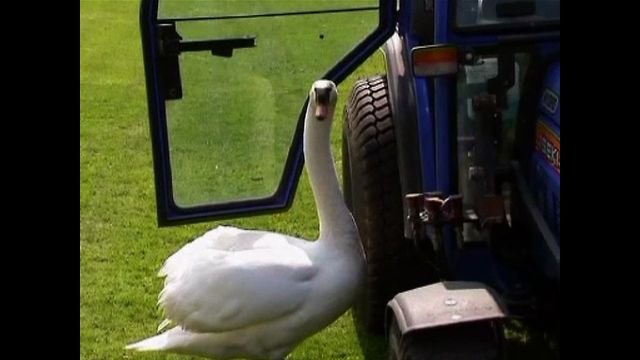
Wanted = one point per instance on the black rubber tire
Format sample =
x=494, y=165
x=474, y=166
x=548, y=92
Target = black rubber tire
x=372, y=191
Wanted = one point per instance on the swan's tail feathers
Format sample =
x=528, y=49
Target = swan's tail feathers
x=155, y=343
x=164, y=325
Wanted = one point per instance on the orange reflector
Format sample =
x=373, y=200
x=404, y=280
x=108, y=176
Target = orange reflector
x=434, y=60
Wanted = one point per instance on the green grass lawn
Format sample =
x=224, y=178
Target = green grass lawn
x=121, y=248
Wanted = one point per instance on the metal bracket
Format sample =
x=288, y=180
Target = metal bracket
x=505, y=79
x=171, y=46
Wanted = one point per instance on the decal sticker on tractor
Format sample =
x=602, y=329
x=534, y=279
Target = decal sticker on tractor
x=548, y=145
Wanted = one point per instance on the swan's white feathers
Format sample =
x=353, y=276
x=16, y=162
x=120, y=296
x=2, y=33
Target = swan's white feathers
x=222, y=238
x=208, y=289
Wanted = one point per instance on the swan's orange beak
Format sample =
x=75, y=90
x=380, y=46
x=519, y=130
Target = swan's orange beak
x=321, y=112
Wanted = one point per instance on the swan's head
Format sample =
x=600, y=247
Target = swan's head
x=323, y=97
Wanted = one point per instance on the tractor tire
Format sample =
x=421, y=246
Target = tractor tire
x=371, y=183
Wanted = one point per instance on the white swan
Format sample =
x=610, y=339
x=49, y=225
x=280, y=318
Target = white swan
x=252, y=294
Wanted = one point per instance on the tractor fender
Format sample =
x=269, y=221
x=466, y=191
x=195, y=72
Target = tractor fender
x=401, y=90
x=442, y=304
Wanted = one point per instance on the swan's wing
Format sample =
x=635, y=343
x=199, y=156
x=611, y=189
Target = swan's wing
x=226, y=238
x=213, y=290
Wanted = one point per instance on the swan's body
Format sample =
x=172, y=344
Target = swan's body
x=253, y=294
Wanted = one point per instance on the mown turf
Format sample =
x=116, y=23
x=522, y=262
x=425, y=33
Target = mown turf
x=121, y=248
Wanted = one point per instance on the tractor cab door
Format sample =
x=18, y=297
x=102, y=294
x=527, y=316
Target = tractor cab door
x=227, y=84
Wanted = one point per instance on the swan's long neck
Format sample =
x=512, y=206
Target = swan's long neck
x=336, y=223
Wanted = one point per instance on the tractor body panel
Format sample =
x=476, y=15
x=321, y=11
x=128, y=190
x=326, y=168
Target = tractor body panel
x=545, y=172
x=430, y=113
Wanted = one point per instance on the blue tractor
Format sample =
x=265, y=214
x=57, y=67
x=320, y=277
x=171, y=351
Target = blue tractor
x=451, y=158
